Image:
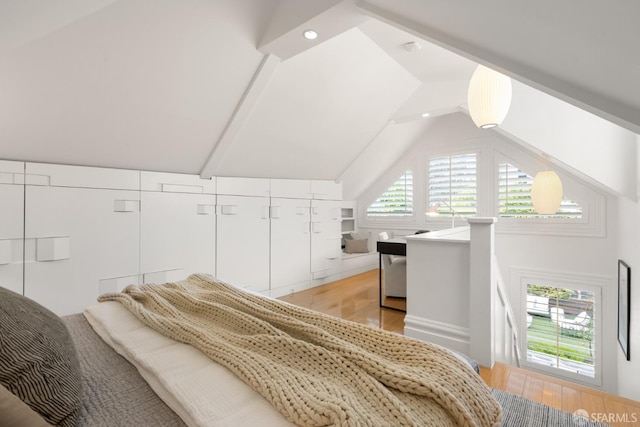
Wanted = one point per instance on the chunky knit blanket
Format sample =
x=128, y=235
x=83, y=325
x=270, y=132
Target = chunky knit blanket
x=317, y=370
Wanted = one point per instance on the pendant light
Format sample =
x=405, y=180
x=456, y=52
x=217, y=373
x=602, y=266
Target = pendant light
x=489, y=97
x=546, y=192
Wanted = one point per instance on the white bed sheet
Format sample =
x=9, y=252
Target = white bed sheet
x=200, y=391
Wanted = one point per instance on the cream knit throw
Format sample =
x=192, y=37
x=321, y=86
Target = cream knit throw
x=317, y=370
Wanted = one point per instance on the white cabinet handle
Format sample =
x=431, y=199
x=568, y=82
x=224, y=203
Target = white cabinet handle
x=52, y=248
x=10, y=178
x=178, y=188
x=117, y=284
x=274, y=212
x=160, y=276
x=264, y=214
x=305, y=227
x=126, y=206
x=205, y=209
x=229, y=210
x=32, y=179
x=319, y=274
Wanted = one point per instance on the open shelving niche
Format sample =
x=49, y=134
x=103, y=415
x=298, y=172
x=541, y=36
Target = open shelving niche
x=360, y=262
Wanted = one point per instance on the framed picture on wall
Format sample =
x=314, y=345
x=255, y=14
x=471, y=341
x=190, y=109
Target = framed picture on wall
x=624, y=301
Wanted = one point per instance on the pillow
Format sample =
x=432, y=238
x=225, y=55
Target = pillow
x=356, y=246
x=15, y=413
x=38, y=362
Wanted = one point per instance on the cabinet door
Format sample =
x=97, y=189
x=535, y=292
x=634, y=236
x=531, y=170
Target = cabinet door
x=177, y=235
x=326, y=190
x=291, y=188
x=252, y=187
x=325, y=238
x=290, y=243
x=243, y=241
x=11, y=224
x=176, y=183
x=79, y=242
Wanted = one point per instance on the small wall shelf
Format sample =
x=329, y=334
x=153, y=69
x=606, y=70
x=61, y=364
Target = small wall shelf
x=347, y=216
x=348, y=225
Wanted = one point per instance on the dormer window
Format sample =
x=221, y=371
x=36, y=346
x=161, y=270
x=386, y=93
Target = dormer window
x=396, y=201
x=514, y=196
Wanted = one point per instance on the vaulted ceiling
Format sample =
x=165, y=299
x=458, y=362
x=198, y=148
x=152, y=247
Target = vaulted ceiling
x=230, y=88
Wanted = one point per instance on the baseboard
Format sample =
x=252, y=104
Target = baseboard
x=453, y=337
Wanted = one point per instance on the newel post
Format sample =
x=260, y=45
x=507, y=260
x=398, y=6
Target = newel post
x=482, y=290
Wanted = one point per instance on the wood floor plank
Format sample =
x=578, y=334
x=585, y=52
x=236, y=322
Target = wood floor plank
x=594, y=403
x=551, y=394
x=515, y=382
x=617, y=414
x=533, y=389
x=485, y=373
x=356, y=298
x=499, y=377
x=571, y=399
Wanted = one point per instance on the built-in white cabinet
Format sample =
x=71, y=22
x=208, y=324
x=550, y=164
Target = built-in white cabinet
x=70, y=233
x=326, y=254
x=291, y=188
x=234, y=186
x=326, y=190
x=290, y=245
x=11, y=224
x=81, y=235
x=243, y=230
x=176, y=183
x=177, y=226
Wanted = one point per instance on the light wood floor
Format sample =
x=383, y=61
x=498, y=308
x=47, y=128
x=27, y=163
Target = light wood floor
x=356, y=299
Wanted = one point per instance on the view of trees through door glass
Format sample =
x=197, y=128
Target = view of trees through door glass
x=561, y=328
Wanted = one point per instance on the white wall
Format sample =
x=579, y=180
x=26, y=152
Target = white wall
x=607, y=151
x=567, y=256
x=628, y=234
x=586, y=254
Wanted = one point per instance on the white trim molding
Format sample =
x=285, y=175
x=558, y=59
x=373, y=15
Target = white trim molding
x=600, y=286
x=451, y=336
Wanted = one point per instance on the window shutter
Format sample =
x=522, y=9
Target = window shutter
x=514, y=194
x=397, y=200
x=452, y=185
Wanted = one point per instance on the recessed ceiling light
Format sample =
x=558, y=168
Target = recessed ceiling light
x=426, y=114
x=310, y=34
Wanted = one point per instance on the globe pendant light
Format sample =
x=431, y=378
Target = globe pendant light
x=489, y=97
x=546, y=192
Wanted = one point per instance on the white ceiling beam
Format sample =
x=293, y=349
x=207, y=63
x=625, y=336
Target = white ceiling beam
x=258, y=84
x=612, y=110
x=328, y=18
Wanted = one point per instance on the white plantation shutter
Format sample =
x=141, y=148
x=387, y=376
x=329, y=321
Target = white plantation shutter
x=452, y=184
x=397, y=200
x=514, y=195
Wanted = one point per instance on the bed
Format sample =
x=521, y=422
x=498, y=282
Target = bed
x=117, y=392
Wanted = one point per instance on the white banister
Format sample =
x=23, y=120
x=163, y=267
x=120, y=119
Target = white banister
x=455, y=294
x=507, y=347
x=482, y=290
